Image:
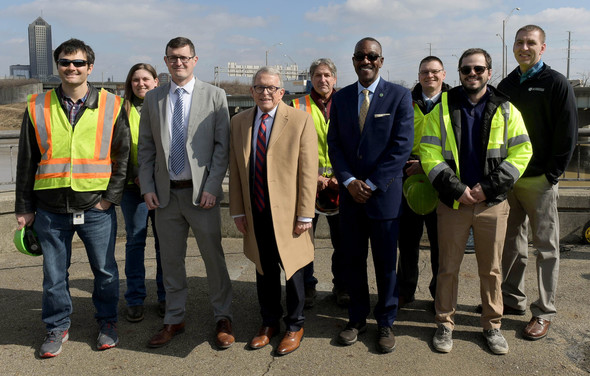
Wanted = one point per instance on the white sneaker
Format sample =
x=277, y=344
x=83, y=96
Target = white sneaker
x=443, y=339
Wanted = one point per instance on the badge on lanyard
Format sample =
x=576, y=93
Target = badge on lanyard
x=79, y=218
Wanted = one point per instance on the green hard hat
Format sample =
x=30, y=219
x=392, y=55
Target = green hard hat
x=26, y=241
x=421, y=196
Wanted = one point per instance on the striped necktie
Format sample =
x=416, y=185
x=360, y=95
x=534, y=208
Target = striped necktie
x=260, y=164
x=177, y=148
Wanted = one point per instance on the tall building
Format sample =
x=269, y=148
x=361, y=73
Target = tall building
x=40, y=49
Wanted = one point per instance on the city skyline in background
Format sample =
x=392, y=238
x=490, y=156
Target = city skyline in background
x=260, y=31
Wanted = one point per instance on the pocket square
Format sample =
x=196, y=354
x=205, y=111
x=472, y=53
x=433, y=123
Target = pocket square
x=381, y=115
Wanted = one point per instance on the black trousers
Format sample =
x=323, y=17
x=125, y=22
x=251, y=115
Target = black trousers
x=411, y=227
x=268, y=285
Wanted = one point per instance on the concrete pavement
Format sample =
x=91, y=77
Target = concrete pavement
x=565, y=351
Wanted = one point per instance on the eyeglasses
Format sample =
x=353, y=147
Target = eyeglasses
x=427, y=72
x=183, y=59
x=78, y=63
x=260, y=89
x=479, y=69
x=359, y=56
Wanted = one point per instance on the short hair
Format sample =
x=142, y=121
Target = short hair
x=475, y=51
x=129, y=94
x=180, y=42
x=529, y=28
x=428, y=59
x=268, y=70
x=368, y=39
x=72, y=46
x=322, y=61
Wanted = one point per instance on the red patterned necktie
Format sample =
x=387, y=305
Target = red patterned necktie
x=259, y=165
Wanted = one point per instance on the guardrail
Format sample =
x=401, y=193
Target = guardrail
x=576, y=166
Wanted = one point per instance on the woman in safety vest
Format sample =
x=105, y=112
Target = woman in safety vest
x=141, y=79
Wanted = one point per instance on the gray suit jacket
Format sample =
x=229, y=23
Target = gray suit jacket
x=207, y=142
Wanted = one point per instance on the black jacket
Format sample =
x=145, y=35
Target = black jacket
x=548, y=107
x=65, y=200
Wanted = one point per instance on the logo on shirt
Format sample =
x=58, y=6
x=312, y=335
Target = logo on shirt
x=541, y=89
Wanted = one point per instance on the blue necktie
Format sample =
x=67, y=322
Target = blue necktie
x=429, y=105
x=177, y=148
x=259, y=163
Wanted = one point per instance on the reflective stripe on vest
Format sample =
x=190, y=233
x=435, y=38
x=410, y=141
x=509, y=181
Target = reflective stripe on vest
x=68, y=158
x=321, y=126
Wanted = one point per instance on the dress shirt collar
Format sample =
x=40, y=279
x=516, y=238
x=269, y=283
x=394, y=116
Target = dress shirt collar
x=189, y=87
x=433, y=99
x=270, y=113
x=371, y=88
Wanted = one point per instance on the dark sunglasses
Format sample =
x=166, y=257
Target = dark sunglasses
x=78, y=63
x=479, y=69
x=359, y=56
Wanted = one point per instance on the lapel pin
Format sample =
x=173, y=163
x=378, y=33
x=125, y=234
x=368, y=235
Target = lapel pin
x=380, y=95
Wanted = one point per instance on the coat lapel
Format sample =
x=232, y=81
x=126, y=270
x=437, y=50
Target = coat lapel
x=163, y=111
x=278, y=124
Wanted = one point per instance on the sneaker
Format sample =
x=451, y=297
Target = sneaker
x=386, y=339
x=135, y=313
x=350, y=333
x=107, y=337
x=443, y=339
x=51, y=347
x=310, y=294
x=496, y=341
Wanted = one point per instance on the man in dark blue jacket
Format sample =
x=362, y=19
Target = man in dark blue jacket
x=369, y=140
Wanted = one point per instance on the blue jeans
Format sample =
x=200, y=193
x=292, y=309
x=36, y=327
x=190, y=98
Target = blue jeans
x=136, y=217
x=98, y=233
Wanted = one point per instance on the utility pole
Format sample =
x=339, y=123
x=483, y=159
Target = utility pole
x=429, y=49
x=569, y=41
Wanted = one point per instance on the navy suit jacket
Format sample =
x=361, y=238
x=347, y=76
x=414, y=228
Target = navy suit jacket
x=380, y=152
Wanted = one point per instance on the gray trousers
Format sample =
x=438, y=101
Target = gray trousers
x=173, y=223
x=533, y=199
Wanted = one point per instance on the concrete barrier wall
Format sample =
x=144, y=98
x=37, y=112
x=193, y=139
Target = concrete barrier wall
x=19, y=94
x=573, y=205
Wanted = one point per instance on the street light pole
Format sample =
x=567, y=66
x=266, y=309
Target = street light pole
x=504, y=48
x=267, y=51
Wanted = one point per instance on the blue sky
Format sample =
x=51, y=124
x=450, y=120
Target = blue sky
x=123, y=33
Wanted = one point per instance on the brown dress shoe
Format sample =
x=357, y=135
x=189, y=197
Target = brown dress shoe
x=225, y=335
x=265, y=333
x=536, y=329
x=290, y=342
x=165, y=334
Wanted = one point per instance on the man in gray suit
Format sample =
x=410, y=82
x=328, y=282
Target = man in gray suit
x=183, y=156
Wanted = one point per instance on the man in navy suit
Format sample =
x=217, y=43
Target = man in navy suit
x=369, y=139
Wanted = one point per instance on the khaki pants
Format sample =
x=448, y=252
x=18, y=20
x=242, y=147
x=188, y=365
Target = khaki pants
x=489, y=230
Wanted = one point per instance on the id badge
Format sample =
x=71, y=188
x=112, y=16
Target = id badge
x=79, y=218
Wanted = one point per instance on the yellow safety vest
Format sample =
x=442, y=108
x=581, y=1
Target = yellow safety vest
x=78, y=157
x=134, y=128
x=321, y=126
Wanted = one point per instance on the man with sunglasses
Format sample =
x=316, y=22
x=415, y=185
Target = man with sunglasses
x=369, y=141
x=474, y=148
x=183, y=154
x=272, y=187
x=72, y=161
x=548, y=105
x=425, y=95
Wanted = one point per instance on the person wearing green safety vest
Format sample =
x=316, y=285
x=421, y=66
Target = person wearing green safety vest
x=71, y=171
x=317, y=103
x=474, y=148
x=140, y=79
x=425, y=95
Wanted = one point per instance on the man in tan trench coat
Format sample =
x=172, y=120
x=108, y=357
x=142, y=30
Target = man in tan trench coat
x=272, y=187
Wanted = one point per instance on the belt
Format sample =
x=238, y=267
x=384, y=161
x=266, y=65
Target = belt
x=181, y=184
